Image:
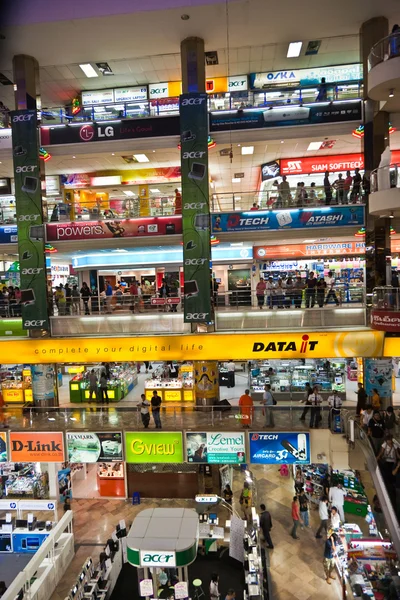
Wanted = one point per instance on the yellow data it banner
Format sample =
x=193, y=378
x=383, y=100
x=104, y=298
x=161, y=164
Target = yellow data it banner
x=196, y=347
x=392, y=347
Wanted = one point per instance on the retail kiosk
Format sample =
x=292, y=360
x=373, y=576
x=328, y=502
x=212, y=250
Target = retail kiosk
x=122, y=381
x=16, y=384
x=179, y=389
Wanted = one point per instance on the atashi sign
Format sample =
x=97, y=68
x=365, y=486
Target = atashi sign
x=36, y=447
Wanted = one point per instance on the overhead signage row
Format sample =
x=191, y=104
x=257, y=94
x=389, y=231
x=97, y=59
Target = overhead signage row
x=276, y=220
x=246, y=346
x=306, y=77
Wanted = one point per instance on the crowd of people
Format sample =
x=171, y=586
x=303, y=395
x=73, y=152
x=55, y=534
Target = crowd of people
x=10, y=301
x=288, y=292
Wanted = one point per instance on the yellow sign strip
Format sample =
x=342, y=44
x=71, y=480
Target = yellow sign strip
x=196, y=347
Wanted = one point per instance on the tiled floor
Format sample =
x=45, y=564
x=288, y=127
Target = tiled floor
x=295, y=565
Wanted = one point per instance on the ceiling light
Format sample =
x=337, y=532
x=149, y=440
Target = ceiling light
x=112, y=153
x=314, y=146
x=391, y=93
x=104, y=68
x=294, y=49
x=155, y=191
x=128, y=193
x=248, y=150
x=74, y=157
x=141, y=158
x=282, y=142
x=236, y=180
x=153, y=150
x=391, y=216
x=88, y=70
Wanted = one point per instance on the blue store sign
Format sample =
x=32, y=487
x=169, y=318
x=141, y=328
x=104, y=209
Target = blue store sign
x=296, y=218
x=280, y=448
x=8, y=234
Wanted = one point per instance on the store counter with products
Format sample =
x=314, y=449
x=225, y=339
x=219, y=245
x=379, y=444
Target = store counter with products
x=178, y=389
x=27, y=482
x=123, y=379
x=356, y=501
x=16, y=385
x=372, y=568
x=111, y=479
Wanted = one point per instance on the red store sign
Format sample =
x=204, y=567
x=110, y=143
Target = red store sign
x=332, y=163
x=385, y=320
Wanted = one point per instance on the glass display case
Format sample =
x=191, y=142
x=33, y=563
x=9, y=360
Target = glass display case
x=170, y=389
x=16, y=385
x=123, y=379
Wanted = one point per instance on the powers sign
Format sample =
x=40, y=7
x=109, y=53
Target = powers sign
x=160, y=447
x=36, y=447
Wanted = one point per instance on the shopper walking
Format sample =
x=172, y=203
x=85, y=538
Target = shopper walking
x=245, y=501
x=85, y=295
x=270, y=292
x=214, y=589
x=246, y=409
x=260, y=292
x=68, y=299
x=335, y=518
x=323, y=515
x=330, y=282
x=355, y=192
x=298, y=480
x=133, y=291
x=390, y=420
x=316, y=400
x=320, y=288
x=376, y=400
x=329, y=561
x=231, y=374
x=338, y=185
x=304, y=514
x=336, y=498
x=92, y=385
x=334, y=404
x=268, y=402
x=295, y=517
x=347, y=185
x=327, y=189
x=311, y=284
x=155, y=409
x=284, y=192
x=103, y=388
x=289, y=292
x=298, y=287
x=144, y=411
x=306, y=401
x=361, y=399
x=109, y=295
x=227, y=494
x=75, y=300
x=266, y=525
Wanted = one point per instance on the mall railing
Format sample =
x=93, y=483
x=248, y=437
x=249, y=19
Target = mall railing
x=384, y=178
x=173, y=418
x=385, y=49
x=305, y=197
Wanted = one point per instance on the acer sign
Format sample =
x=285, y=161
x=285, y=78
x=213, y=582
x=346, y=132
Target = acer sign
x=320, y=164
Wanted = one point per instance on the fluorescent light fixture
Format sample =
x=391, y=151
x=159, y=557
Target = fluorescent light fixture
x=247, y=149
x=89, y=70
x=141, y=158
x=314, y=146
x=110, y=180
x=236, y=180
x=391, y=93
x=128, y=193
x=238, y=198
x=155, y=191
x=309, y=241
x=294, y=49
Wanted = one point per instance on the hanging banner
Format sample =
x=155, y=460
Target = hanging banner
x=195, y=208
x=43, y=382
x=280, y=448
x=313, y=76
x=378, y=376
x=29, y=211
x=87, y=447
x=319, y=164
x=3, y=447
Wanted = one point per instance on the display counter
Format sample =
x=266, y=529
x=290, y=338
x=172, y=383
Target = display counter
x=16, y=385
x=356, y=501
x=170, y=390
x=371, y=566
x=111, y=479
x=123, y=379
x=29, y=482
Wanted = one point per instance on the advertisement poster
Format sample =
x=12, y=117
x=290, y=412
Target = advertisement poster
x=101, y=230
x=280, y=448
x=216, y=448
x=332, y=74
x=8, y=234
x=28, y=199
x=307, y=114
x=36, y=447
x=154, y=447
x=43, y=382
x=206, y=379
x=87, y=447
x=301, y=250
x=3, y=446
x=296, y=218
x=378, y=375
x=320, y=164
x=195, y=208
x=64, y=484
x=120, y=130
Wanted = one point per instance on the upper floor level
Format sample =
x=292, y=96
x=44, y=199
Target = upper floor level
x=383, y=71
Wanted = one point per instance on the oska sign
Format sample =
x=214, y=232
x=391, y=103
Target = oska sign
x=162, y=447
x=156, y=558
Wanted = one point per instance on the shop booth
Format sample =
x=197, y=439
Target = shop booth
x=172, y=389
x=122, y=381
x=16, y=384
x=23, y=480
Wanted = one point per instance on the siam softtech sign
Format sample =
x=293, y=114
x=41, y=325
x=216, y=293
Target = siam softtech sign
x=215, y=448
x=296, y=218
x=320, y=164
x=36, y=447
x=154, y=447
x=279, y=448
x=101, y=230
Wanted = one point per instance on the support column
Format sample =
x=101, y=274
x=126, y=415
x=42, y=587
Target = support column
x=44, y=385
x=206, y=382
x=193, y=65
x=375, y=140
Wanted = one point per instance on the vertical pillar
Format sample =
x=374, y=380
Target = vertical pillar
x=193, y=65
x=26, y=79
x=44, y=385
x=375, y=140
x=144, y=206
x=206, y=382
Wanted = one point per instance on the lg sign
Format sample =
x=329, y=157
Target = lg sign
x=86, y=133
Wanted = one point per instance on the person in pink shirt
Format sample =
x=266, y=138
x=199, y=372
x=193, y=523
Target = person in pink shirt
x=295, y=517
x=346, y=187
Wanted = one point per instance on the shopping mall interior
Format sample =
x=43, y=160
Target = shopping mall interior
x=200, y=301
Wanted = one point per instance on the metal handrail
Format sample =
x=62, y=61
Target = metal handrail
x=386, y=297
x=388, y=47
x=384, y=178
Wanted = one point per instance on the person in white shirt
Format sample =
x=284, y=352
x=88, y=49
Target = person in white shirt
x=270, y=292
x=214, y=590
x=231, y=373
x=335, y=404
x=335, y=518
x=315, y=400
x=323, y=515
x=330, y=282
x=336, y=498
x=367, y=416
x=387, y=458
x=144, y=411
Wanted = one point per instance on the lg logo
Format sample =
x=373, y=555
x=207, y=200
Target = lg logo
x=26, y=117
x=193, y=101
x=195, y=261
x=28, y=217
x=194, y=206
x=26, y=169
x=197, y=316
x=32, y=271
x=34, y=323
x=86, y=133
x=193, y=155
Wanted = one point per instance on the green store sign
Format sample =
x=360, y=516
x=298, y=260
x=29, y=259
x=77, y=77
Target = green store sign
x=157, y=447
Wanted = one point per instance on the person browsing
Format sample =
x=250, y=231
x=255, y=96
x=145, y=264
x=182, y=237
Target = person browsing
x=268, y=402
x=155, y=409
